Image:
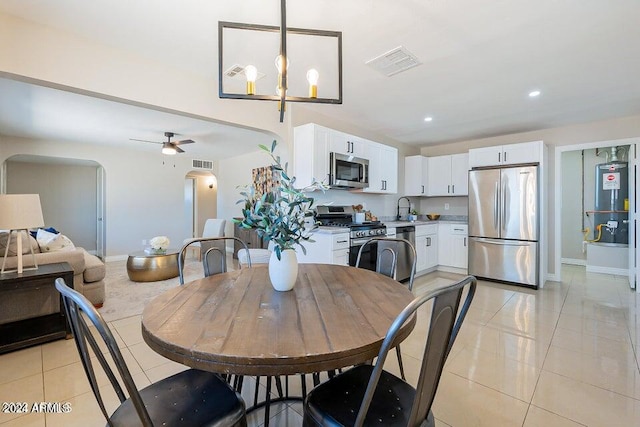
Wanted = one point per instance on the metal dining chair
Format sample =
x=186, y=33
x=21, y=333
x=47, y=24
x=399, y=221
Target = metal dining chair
x=191, y=397
x=214, y=260
x=386, y=263
x=368, y=395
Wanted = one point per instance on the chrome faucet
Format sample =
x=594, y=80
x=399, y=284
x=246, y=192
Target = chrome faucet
x=408, y=207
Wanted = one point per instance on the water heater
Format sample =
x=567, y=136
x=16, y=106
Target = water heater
x=611, y=201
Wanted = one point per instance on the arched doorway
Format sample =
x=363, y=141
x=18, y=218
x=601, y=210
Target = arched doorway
x=200, y=201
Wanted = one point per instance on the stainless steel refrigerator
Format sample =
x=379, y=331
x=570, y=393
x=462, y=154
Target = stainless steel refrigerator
x=504, y=224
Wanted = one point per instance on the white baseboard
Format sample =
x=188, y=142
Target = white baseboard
x=607, y=270
x=455, y=270
x=574, y=261
x=552, y=278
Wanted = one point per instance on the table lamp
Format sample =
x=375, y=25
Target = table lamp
x=18, y=213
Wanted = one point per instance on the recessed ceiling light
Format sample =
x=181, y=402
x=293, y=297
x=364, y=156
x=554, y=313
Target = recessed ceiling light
x=428, y=119
x=534, y=93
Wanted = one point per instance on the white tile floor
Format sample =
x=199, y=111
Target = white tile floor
x=566, y=355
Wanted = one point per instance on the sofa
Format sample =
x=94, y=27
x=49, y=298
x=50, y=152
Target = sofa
x=88, y=270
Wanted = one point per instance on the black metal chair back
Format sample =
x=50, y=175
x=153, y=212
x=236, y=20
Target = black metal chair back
x=351, y=399
x=214, y=260
x=184, y=390
x=387, y=256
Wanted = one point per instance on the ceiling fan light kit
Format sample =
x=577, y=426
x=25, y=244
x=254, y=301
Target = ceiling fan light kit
x=252, y=53
x=169, y=147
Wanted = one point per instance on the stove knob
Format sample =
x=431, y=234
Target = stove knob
x=382, y=232
x=359, y=233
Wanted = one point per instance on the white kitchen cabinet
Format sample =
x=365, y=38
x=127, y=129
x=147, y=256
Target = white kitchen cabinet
x=448, y=175
x=426, y=247
x=416, y=175
x=383, y=168
x=343, y=143
x=512, y=154
x=453, y=245
x=327, y=248
x=312, y=144
x=311, y=154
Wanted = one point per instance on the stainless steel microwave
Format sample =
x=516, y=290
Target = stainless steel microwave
x=348, y=171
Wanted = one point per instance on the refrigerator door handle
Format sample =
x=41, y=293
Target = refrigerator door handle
x=496, y=207
x=501, y=242
x=505, y=203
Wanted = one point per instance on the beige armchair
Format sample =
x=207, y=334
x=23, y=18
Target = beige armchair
x=213, y=227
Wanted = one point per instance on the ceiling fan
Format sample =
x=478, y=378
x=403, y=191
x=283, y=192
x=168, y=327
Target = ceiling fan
x=168, y=147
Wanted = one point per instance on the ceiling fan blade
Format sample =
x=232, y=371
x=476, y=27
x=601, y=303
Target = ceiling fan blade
x=184, y=141
x=144, y=140
x=179, y=150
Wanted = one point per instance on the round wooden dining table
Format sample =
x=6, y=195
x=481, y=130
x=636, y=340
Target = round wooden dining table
x=236, y=323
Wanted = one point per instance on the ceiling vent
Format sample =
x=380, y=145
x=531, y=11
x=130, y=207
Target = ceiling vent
x=202, y=164
x=393, y=62
x=237, y=71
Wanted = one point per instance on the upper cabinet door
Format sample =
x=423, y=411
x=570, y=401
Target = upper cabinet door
x=439, y=176
x=460, y=174
x=346, y=144
x=415, y=175
x=383, y=168
x=310, y=154
x=525, y=152
x=485, y=156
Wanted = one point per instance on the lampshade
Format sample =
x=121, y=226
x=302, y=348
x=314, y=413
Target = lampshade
x=20, y=211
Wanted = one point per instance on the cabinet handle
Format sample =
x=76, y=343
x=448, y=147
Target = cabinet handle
x=423, y=189
x=428, y=241
x=499, y=157
x=342, y=241
x=464, y=242
x=505, y=156
x=448, y=189
x=453, y=189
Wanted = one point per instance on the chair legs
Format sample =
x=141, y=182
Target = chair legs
x=400, y=362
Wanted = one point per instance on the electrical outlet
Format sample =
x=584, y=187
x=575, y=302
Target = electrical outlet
x=446, y=206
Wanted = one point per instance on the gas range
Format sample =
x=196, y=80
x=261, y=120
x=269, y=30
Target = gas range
x=342, y=216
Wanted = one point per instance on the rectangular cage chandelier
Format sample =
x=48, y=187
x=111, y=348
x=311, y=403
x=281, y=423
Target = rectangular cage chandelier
x=271, y=63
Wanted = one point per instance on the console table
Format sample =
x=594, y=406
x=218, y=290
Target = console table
x=31, y=310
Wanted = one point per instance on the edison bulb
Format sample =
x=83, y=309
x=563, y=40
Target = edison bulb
x=312, y=78
x=251, y=73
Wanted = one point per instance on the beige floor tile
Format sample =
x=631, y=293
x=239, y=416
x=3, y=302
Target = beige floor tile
x=146, y=357
x=461, y=402
x=538, y=417
x=616, y=373
x=133, y=320
x=524, y=324
x=20, y=364
x=130, y=332
x=24, y=390
x=584, y=403
x=68, y=381
x=59, y=353
x=506, y=344
x=504, y=375
x=591, y=344
x=163, y=371
x=28, y=420
x=617, y=330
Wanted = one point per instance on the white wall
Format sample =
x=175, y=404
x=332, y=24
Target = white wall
x=67, y=195
x=144, y=190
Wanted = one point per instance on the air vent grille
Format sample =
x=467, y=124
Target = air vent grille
x=237, y=71
x=394, y=61
x=202, y=164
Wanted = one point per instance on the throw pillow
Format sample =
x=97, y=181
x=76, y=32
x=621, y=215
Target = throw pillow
x=13, y=246
x=50, y=242
x=34, y=233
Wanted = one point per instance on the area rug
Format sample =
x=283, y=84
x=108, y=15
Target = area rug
x=125, y=298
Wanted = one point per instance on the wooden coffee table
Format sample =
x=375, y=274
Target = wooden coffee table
x=145, y=267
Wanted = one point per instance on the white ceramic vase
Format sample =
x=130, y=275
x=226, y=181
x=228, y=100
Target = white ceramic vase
x=283, y=272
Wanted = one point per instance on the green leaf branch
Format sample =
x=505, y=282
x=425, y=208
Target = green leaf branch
x=279, y=215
